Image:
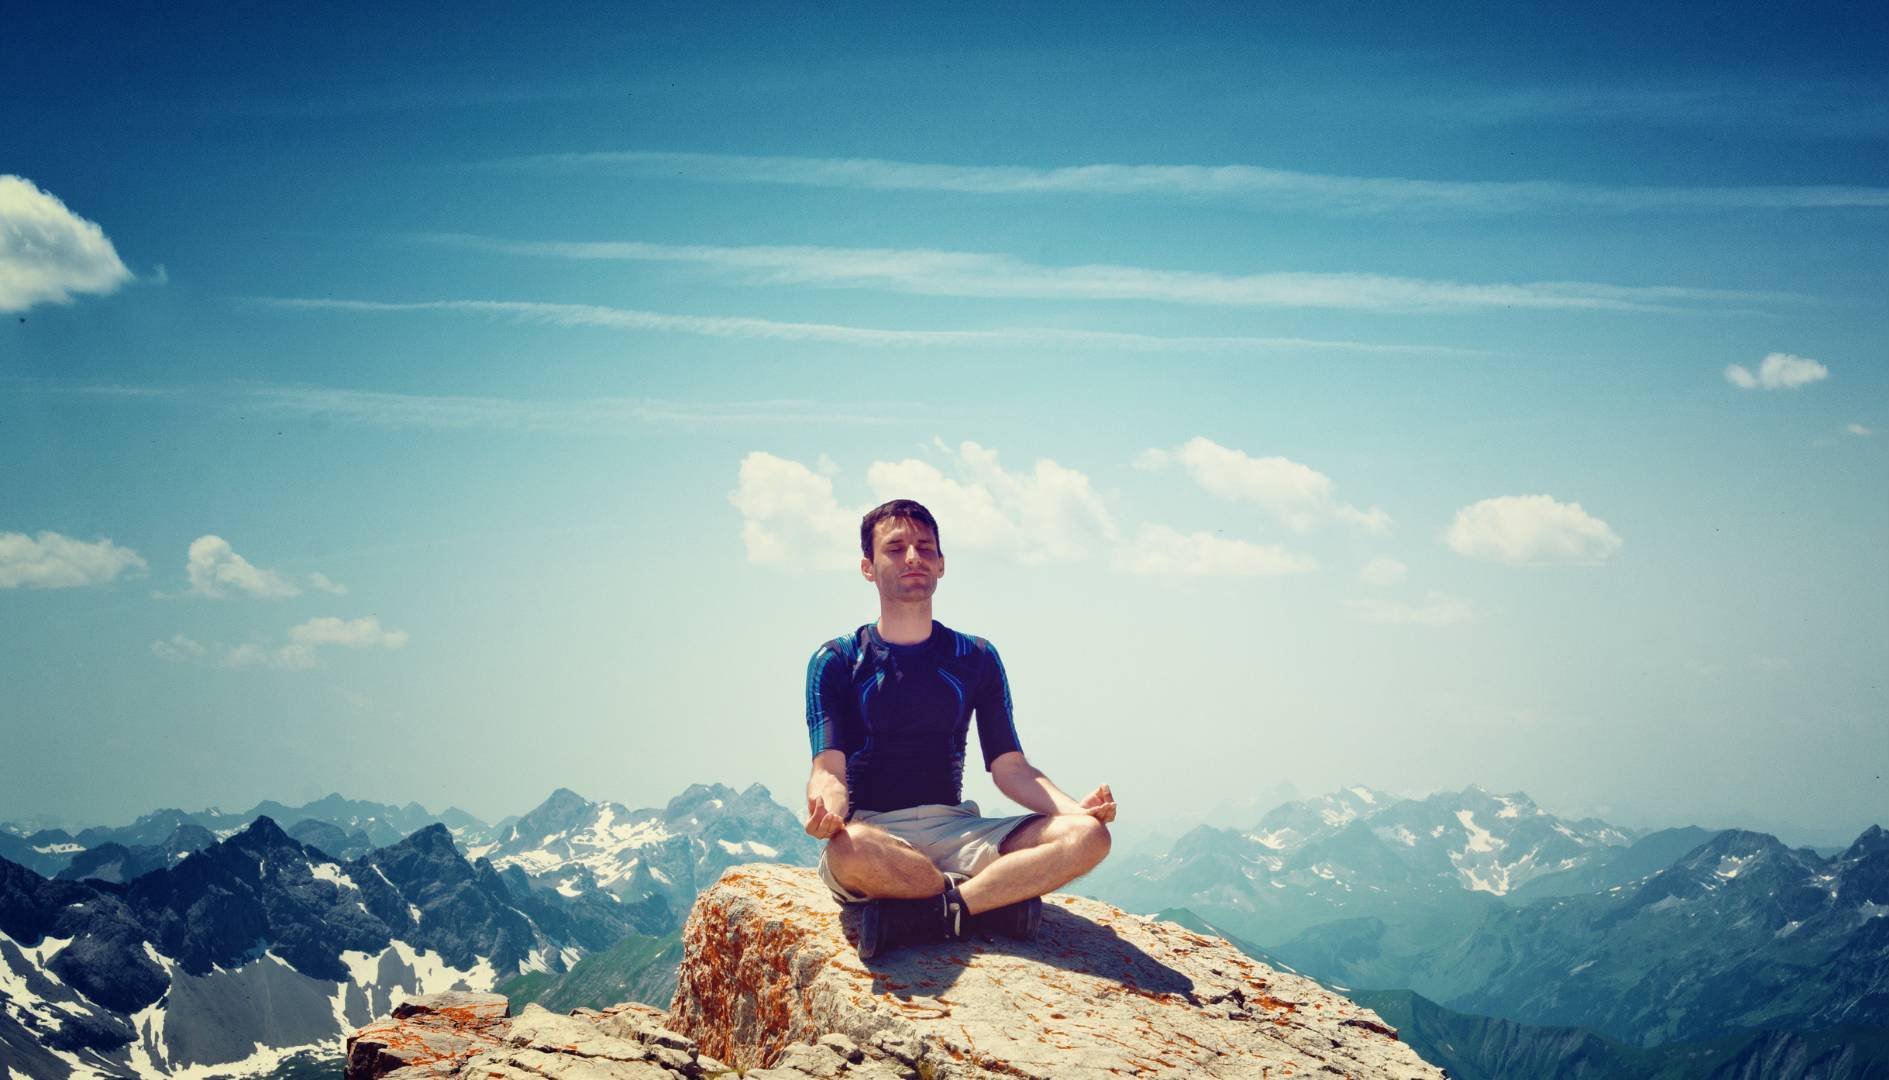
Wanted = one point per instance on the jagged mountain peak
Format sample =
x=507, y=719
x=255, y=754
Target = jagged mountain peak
x=1872, y=841
x=1737, y=843
x=263, y=833
x=698, y=797
x=435, y=839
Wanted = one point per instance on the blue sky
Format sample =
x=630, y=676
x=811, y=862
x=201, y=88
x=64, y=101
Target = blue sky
x=452, y=412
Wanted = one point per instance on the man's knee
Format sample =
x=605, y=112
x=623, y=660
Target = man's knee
x=855, y=848
x=1090, y=839
x=873, y=861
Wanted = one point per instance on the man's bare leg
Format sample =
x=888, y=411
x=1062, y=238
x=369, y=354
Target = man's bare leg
x=873, y=863
x=1038, y=857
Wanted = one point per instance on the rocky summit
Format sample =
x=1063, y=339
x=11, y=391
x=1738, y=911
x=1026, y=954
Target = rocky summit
x=771, y=985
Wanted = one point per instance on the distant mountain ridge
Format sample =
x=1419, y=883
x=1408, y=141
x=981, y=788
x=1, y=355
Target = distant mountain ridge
x=366, y=825
x=650, y=857
x=258, y=945
x=1358, y=852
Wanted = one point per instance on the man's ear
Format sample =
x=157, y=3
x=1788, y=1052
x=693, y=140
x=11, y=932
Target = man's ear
x=865, y=568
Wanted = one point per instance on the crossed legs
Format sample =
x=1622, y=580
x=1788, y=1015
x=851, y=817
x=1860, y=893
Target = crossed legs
x=1039, y=856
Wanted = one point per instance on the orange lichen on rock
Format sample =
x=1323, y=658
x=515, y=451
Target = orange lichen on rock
x=768, y=968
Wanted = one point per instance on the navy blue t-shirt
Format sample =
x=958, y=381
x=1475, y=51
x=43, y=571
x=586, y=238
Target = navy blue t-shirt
x=902, y=713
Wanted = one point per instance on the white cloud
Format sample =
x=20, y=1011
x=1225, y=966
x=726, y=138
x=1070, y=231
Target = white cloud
x=1531, y=529
x=1298, y=495
x=1860, y=430
x=1246, y=184
x=214, y=568
x=1382, y=571
x=1158, y=549
x=1777, y=371
x=362, y=633
x=968, y=514
x=742, y=327
x=927, y=272
x=179, y=649
x=789, y=513
x=1437, y=609
x=53, y=561
x=47, y=252
x=302, y=651
x=323, y=583
x=1048, y=512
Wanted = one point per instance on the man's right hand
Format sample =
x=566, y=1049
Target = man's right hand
x=822, y=823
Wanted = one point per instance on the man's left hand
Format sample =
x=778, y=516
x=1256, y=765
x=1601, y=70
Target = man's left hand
x=1100, y=804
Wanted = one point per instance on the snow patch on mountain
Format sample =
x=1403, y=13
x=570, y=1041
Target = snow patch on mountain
x=332, y=873
x=1480, y=839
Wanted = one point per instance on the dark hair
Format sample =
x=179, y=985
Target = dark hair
x=897, y=508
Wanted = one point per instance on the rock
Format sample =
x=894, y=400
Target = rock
x=428, y=1036
x=769, y=963
x=771, y=984
x=842, y=1046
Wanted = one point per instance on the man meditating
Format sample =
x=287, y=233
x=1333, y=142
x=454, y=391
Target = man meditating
x=889, y=709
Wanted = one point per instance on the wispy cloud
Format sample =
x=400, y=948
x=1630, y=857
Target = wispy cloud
x=927, y=272
x=465, y=412
x=1254, y=185
x=47, y=252
x=728, y=326
x=1799, y=108
x=382, y=409
x=1160, y=550
x=302, y=651
x=1297, y=495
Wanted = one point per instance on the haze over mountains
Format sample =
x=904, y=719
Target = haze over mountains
x=185, y=940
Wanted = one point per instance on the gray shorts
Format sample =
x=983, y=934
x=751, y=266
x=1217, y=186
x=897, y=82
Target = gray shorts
x=956, y=840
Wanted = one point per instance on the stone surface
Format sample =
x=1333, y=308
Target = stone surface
x=428, y=1036
x=769, y=963
x=772, y=986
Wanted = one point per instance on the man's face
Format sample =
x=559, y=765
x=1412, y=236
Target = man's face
x=906, y=563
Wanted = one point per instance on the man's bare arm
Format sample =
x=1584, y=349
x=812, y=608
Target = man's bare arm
x=1016, y=777
x=826, y=795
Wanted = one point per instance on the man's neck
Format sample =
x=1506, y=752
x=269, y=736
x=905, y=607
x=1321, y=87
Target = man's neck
x=905, y=624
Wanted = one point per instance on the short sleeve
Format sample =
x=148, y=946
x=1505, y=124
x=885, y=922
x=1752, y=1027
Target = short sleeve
x=828, y=700
x=996, y=726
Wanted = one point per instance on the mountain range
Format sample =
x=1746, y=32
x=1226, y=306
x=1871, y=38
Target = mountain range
x=1494, y=908
x=1507, y=937
x=236, y=953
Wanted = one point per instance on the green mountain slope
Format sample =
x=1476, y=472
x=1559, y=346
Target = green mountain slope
x=637, y=968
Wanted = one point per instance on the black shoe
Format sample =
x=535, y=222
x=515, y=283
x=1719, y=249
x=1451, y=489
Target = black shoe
x=886, y=923
x=1019, y=920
